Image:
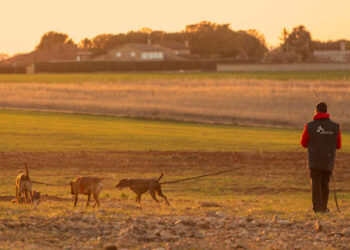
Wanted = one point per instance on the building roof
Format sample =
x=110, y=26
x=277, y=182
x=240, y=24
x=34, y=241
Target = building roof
x=173, y=45
x=66, y=54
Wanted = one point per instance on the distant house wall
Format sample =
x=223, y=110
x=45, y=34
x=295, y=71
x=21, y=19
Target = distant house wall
x=152, y=55
x=115, y=66
x=332, y=55
x=135, y=53
x=182, y=52
x=281, y=67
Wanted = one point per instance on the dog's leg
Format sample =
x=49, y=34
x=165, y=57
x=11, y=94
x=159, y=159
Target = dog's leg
x=31, y=196
x=26, y=193
x=88, y=199
x=159, y=191
x=17, y=195
x=30, y=191
x=75, y=200
x=97, y=202
x=138, y=198
x=20, y=192
x=153, y=194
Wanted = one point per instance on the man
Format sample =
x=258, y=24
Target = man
x=322, y=137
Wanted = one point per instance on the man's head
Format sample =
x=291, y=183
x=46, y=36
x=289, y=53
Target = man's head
x=321, y=107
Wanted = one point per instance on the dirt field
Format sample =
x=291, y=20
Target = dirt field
x=265, y=205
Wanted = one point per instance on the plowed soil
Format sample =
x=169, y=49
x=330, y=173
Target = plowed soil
x=196, y=218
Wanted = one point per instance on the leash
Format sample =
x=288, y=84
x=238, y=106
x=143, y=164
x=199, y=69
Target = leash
x=162, y=183
x=60, y=185
x=335, y=195
x=201, y=176
x=47, y=184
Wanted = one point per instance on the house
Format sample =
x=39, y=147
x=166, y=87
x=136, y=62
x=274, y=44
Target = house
x=163, y=51
x=67, y=53
x=341, y=55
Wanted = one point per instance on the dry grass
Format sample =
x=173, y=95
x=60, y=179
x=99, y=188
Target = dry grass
x=238, y=101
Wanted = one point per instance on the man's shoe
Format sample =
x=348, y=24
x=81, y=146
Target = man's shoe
x=321, y=211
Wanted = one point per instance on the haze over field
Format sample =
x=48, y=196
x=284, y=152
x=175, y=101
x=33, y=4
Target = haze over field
x=204, y=98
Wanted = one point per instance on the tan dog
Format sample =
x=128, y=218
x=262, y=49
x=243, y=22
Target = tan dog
x=24, y=185
x=87, y=186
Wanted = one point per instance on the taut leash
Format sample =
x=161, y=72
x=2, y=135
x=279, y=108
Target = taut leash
x=47, y=184
x=201, y=176
x=162, y=183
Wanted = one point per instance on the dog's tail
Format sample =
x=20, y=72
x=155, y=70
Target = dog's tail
x=160, y=177
x=26, y=168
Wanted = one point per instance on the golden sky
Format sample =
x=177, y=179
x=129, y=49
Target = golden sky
x=23, y=22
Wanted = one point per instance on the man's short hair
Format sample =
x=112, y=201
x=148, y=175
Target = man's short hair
x=321, y=107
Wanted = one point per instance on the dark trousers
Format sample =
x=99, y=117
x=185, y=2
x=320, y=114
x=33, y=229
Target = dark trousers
x=320, y=189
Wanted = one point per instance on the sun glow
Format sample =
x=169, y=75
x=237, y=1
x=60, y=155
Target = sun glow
x=24, y=22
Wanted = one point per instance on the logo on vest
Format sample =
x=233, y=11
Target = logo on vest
x=322, y=131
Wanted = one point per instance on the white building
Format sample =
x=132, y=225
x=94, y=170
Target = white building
x=341, y=55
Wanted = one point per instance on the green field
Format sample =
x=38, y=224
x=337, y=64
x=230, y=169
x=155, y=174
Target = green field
x=108, y=77
x=44, y=131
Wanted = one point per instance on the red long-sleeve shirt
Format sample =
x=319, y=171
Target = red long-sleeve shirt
x=305, y=136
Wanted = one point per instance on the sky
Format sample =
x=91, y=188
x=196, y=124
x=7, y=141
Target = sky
x=23, y=22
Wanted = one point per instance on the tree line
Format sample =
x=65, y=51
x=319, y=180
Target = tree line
x=298, y=46
x=205, y=40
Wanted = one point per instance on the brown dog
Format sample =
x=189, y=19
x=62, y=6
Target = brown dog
x=87, y=186
x=141, y=186
x=24, y=185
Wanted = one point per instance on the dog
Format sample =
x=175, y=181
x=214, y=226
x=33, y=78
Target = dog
x=24, y=185
x=141, y=186
x=36, y=198
x=86, y=185
x=21, y=200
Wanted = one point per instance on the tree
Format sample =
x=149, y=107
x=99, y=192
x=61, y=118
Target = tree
x=298, y=41
x=253, y=44
x=258, y=35
x=85, y=43
x=100, y=41
x=54, y=41
x=210, y=39
x=206, y=39
x=3, y=57
x=284, y=36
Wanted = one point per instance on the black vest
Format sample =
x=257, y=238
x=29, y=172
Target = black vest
x=323, y=134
